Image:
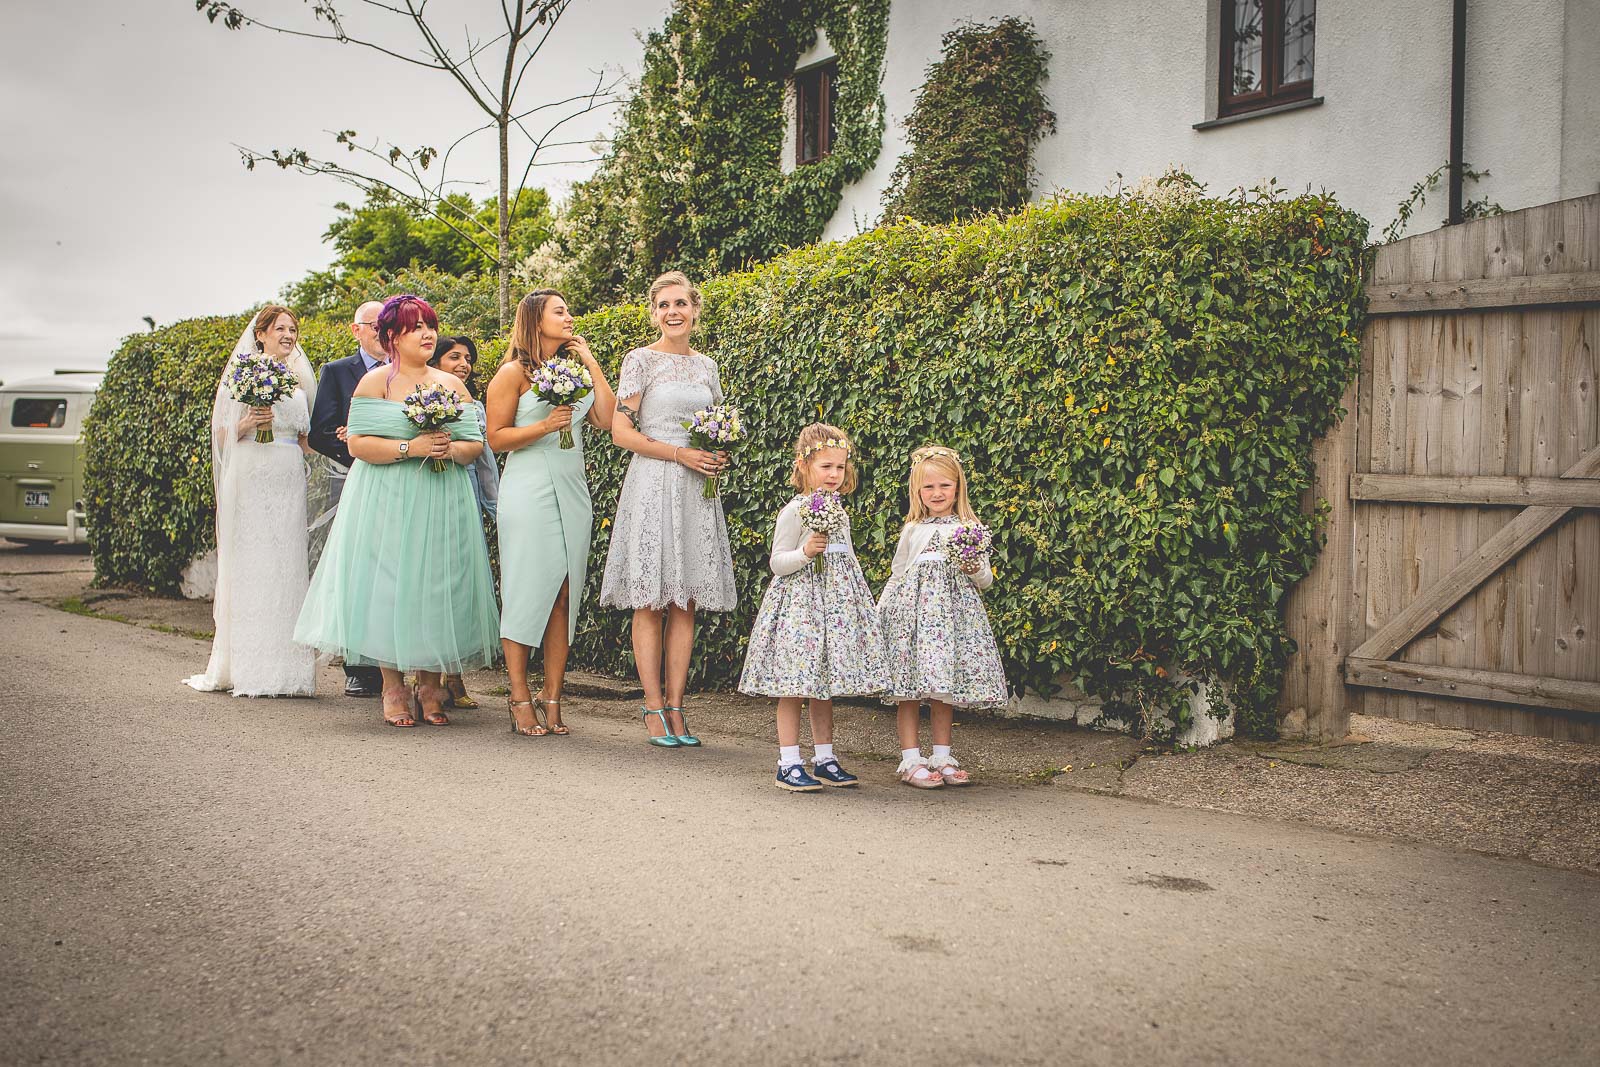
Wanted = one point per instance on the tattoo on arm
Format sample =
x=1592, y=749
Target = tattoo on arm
x=628, y=413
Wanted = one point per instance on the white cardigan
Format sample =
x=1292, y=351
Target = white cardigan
x=914, y=540
x=790, y=533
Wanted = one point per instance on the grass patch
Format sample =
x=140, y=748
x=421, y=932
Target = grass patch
x=74, y=605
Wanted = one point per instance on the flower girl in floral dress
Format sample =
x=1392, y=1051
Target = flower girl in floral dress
x=816, y=635
x=936, y=631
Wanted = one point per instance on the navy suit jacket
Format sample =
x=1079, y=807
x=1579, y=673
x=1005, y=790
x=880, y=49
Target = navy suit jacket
x=335, y=385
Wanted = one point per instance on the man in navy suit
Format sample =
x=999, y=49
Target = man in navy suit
x=335, y=385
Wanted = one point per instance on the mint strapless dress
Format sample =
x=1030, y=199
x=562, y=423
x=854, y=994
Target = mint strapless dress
x=404, y=580
x=544, y=520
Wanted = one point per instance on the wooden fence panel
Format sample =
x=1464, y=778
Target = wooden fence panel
x=1467, y=529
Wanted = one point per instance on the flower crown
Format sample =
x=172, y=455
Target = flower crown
x=925, y=454
x=831, y=442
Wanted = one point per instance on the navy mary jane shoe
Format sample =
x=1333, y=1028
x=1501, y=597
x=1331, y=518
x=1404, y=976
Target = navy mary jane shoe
x=830, y=773
x=796, y=780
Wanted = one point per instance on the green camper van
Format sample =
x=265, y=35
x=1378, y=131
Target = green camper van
x=41, y=456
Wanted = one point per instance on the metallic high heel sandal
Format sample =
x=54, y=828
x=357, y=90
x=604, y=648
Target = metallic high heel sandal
x=666, y=740
x=511, y=709
x=685, y=739
x=560, y=728
x=459, y=697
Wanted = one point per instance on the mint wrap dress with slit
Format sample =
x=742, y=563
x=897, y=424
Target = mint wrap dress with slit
x=544, y=523
x=404, y=580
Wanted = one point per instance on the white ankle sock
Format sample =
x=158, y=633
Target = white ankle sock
x=941, y=750
x=788, y=756
x=823, y=754
x=910, y=753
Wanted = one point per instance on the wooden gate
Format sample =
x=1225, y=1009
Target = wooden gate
x=1461, y=581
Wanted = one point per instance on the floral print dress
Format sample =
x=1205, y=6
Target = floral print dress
x=935, y=628
x=816, y=634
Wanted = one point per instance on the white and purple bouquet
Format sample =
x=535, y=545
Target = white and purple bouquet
x=715, y=429
x=259, y=381
x=822, y=511
x=966, y=545
x=560, y=382
x=433, y=407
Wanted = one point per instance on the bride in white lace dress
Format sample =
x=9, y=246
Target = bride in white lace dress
x=261, y=528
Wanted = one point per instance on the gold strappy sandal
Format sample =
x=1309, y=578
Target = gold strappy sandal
x=559, y=729
x=533, y=731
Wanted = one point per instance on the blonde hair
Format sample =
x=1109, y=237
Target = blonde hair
x=815, y=438
x=667, y=281
x=945, y=460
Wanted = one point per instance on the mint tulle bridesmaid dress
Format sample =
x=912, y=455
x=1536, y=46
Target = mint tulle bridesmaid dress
x=404, y=580
x=544, y=522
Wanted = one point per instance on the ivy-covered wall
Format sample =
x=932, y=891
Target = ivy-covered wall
x=1136, y=382
x=694, y=178
x=974, y=126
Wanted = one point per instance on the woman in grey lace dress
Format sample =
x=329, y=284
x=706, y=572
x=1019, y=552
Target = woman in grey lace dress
x=669, y=545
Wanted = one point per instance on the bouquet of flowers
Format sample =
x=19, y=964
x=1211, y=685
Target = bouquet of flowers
x=259, y=381
x=560, y=382
x=822, y=512
x=433, y=407
x=715, y=429
x=967, y=544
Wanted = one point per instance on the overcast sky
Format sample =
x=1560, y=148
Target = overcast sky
x=123, y=196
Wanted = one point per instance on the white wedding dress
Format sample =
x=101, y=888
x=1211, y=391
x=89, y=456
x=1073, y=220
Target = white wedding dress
x=262, y=563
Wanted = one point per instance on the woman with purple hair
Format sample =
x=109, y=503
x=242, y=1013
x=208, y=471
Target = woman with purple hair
x=404, y=582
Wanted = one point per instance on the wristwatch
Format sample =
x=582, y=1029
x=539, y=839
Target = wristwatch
x=405, y=449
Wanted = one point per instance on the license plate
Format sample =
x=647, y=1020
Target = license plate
x=36, y=498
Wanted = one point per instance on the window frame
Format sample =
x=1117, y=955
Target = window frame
x=1273, y=92
x=815, y=87
x=60, y=406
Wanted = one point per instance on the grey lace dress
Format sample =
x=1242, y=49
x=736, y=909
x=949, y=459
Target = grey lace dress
x=669, y=545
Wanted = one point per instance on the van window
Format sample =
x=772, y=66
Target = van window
x=39, y=413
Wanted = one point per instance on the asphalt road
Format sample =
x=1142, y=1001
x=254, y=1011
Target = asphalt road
x=188, y=878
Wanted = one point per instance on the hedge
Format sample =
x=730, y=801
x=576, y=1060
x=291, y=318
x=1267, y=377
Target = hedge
x=1135, y=382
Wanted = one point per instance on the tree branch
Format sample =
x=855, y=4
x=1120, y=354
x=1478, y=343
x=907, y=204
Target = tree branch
x=298, y=159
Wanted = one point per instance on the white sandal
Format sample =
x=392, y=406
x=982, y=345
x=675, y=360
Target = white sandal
x=949, y=770
x=913, y=771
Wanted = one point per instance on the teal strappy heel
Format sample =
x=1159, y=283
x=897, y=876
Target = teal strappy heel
x=685, y=739
x=666, y=740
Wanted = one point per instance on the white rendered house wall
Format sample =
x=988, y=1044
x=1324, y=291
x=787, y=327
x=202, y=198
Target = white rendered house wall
x=1129, y=81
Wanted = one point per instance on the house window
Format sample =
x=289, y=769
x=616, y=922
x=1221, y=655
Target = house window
x=815, y=91
x=1267, y=48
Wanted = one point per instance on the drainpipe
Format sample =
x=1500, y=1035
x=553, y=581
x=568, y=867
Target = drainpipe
x=1458, y=94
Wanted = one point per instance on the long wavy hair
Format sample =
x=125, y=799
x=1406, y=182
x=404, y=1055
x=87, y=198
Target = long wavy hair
x=524, y=347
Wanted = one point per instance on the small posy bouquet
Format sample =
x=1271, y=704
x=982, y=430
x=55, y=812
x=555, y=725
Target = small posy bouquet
x=966, y=545
x=433, y=407
x=715, y=429
x=560, y=382
x=259, y=381
x=822, y=511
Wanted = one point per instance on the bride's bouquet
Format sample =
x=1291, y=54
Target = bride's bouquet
x=966, y=545
x=560, y=382
x=433, y=407
x=259, y=381
x=715, y=429
x=822, y=511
